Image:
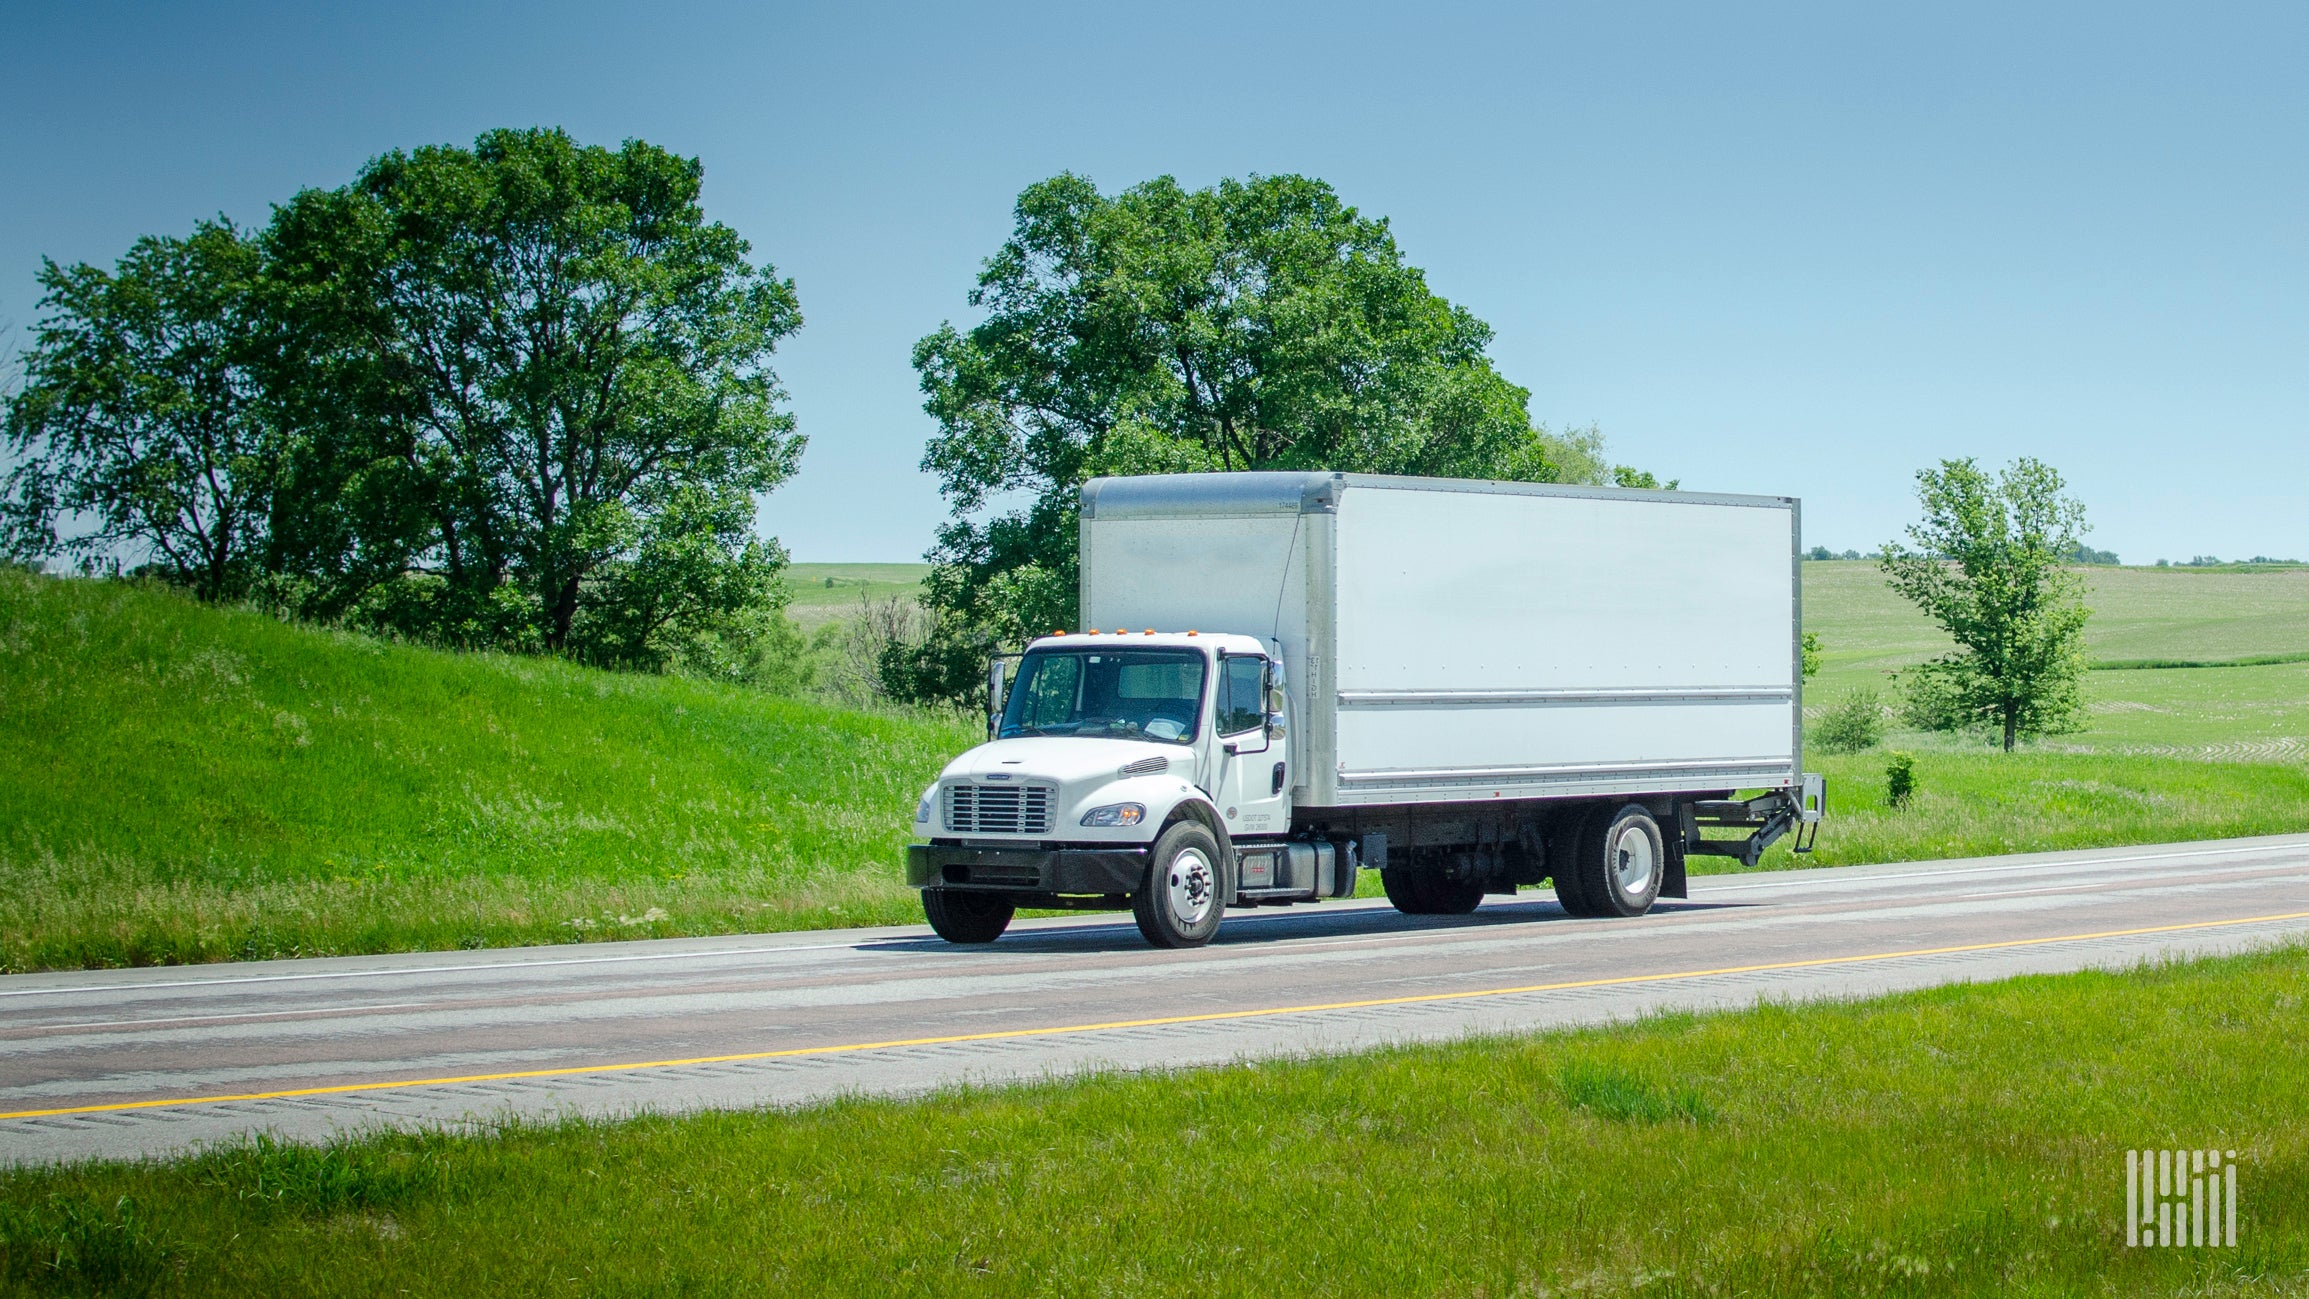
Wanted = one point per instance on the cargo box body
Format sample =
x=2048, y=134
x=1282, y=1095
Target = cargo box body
x=1449, y=641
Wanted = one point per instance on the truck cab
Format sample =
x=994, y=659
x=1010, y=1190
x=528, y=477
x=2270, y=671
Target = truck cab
x=1111, y=752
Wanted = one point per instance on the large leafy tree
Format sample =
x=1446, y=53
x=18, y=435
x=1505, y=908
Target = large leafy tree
x=533, y=373
x=140, y=432
x=1259, y=324
x=1991, y=564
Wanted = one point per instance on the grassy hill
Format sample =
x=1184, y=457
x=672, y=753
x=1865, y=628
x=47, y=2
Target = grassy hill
x=183, y=783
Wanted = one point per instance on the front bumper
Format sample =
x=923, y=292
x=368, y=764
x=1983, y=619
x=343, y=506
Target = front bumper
x=1105, y=871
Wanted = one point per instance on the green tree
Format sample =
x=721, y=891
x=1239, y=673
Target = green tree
x=140, y=425
x=1991, y=565
x=1259, y=324
x=534, y=376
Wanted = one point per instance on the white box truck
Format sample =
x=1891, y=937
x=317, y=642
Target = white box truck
x=1286, y=678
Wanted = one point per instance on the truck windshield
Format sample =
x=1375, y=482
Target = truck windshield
x=1149, y=694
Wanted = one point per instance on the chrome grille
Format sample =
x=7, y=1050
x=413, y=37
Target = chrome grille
x=998, y=809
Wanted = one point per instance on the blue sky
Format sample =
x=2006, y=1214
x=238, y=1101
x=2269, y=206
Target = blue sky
x=1785, y=249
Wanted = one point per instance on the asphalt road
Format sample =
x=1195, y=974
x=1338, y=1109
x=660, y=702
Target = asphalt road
x=138, y=1062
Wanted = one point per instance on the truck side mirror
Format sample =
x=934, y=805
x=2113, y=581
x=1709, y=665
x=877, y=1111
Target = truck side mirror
x=1276, y=702
x=995, y=696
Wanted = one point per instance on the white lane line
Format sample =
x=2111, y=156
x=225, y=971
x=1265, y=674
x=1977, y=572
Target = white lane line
x=38, y=1029
x=1284, y=950
x=2071, y=864
x=867, y=944
x=2127, y=885
x=855, y=944
x=1502, y=932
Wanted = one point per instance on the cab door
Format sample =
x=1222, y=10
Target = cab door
x=1254, y=757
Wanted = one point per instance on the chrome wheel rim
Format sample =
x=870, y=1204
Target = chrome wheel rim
x=1633, y=860
x=1193, y=885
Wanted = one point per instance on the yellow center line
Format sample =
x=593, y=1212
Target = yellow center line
x=1156, y=1022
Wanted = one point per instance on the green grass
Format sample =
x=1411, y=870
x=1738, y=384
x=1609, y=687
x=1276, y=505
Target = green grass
x=821, y=593
x=1964, y=1141
x=184, y=783
x=1983, y=804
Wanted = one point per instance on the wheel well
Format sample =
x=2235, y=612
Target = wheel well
x=1203, y=814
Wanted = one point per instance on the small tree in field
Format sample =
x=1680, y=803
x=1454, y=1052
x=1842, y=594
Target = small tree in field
x=1852, y=724
x=1991, y=565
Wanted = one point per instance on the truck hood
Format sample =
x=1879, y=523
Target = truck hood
x=1065, y=760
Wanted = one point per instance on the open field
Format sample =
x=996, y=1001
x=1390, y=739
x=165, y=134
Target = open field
x=181, y=783
x=821, y=593
x=1967, y=1140
x=2199, y=615
x=2138, y=613
x=2165, y=753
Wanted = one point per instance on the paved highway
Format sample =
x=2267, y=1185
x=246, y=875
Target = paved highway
x=137, y=1062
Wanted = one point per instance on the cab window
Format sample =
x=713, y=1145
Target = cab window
x=1118, y=694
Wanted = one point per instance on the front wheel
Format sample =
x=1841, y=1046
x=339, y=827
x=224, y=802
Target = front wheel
x=967, y=917
x=1185, y=891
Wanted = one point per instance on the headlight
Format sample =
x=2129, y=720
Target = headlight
x=922, y=809
x=1115, y=814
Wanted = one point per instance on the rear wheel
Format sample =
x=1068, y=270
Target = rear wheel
x=967, y=917
x=1567, y=847
x=1427, y=893
x=1621, y=860
x=1185, y=892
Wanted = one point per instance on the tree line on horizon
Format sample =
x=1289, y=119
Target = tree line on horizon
x=519, y=396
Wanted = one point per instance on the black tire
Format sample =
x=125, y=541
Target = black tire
x=1186, y=889
x=967, y=917
x=1404, y=892
x=1426, y=893
x=1622, y=860
x=1566, y=849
